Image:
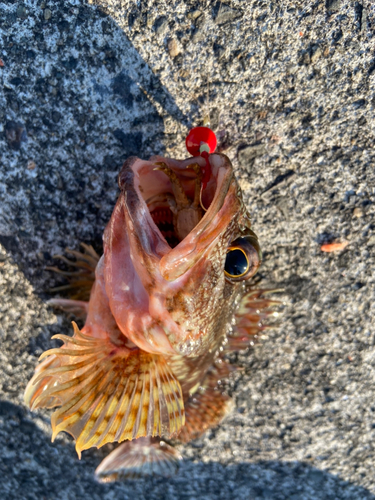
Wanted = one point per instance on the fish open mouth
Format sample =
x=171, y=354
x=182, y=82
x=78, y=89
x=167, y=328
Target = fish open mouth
x=174, y=195
x=162, y=215
x=175, y=210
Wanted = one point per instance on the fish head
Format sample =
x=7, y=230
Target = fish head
x=177, y=253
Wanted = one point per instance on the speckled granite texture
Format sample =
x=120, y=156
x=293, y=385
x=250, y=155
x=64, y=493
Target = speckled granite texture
x=291, y=94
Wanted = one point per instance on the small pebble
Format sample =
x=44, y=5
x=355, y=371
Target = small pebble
x=358, y=212
x=194, y=14
x=173, y=48
x=21, y=11
x=47, y=14
x=226, y=14
x=316, y=55
x=31, y=165
x=15, y=134
x=161, y=25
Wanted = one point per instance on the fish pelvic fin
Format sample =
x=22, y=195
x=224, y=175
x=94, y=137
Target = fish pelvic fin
x=204, y=411
x=143, y=457
x=105, y=393
x=207, y=407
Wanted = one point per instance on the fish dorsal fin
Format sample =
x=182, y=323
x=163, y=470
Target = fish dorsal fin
x=106, y=393
x=140, y=458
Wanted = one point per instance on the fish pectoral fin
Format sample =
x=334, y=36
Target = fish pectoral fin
x=139, y=458
x=105, y=393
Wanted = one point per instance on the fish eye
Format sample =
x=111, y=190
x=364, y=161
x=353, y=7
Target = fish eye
x=243, y=258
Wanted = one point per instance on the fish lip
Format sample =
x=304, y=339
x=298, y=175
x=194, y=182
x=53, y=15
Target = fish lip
x=174, y=262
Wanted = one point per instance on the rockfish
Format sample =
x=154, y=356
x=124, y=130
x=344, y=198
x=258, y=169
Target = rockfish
x=169, y=301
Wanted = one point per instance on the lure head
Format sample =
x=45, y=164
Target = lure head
x=172, y=281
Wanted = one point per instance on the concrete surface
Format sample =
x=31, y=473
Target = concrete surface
x=291, y=93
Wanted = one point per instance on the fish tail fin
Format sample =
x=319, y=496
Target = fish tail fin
x=80, y=280
x=142, y=457
x=105, y=392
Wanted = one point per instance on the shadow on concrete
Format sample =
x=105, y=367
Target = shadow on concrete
x=84, y=100
x=34, y=468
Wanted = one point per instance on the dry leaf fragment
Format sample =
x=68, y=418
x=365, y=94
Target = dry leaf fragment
x=334, y=247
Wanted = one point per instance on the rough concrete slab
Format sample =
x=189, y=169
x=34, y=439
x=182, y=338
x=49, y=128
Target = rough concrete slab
x=291, y=93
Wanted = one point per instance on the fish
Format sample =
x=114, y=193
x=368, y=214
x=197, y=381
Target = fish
x=164, y=305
